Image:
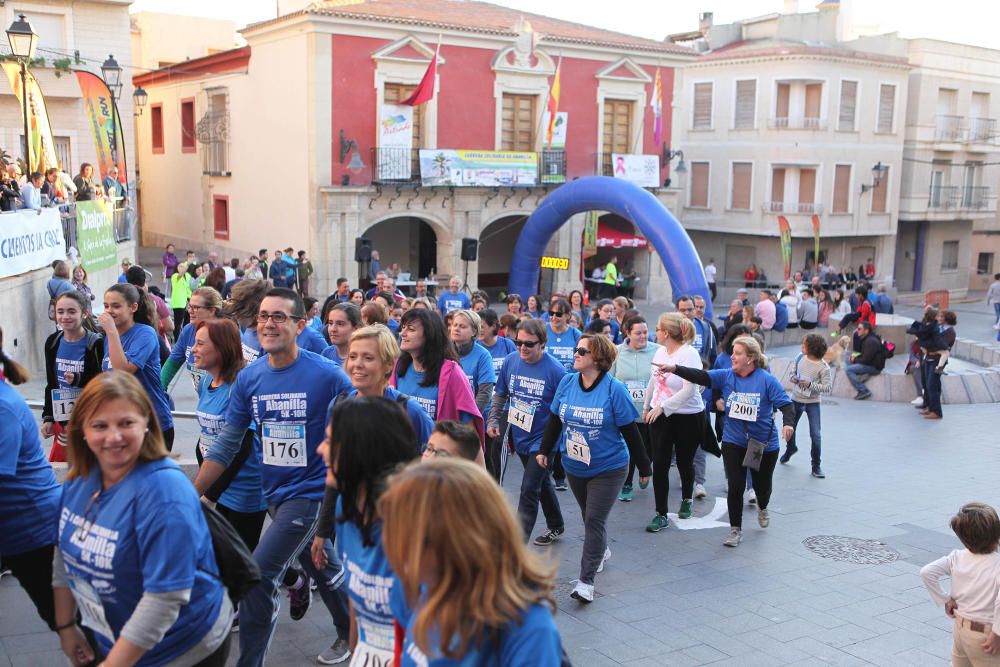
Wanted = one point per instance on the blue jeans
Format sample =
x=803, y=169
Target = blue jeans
x=932, y=385
x=537, y=485
x=812, y=412
x=293, y=525
x=854, y=370
x=996, y=310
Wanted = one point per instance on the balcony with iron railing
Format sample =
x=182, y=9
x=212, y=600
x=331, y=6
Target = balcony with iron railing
x=949, y=128
x=796, y=123
x=982, y=131
x=791, y=208
x=954, y=197
x=401, y=166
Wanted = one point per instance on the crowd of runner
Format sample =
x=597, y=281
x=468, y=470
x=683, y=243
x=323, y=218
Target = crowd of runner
x=372, y=430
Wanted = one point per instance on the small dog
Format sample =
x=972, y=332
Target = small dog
x=835, y=353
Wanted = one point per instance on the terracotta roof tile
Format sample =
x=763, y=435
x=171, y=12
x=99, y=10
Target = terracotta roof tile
x=485, y=17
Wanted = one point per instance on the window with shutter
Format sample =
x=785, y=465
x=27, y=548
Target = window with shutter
x=880, y=194
x=518, y=123
x=778, y=189
x=156, y=129
x=699, y=185
x=886, y=108
x=702, y=106
x=188, y=141
x=394, y=93
x=848, y=105
x=814, y=95
x=807, y=190
x=783, y=93
x=742, y=177
x=746, y=104
x=841, y=189
x=617, y=127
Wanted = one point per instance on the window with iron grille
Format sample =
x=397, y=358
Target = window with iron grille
x=213, y=133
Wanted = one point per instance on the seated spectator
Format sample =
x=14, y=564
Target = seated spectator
x=867, y=359
x=31, y=193
x=883, y=302
x=765, y=309
x=114, y=190
x=52, y=188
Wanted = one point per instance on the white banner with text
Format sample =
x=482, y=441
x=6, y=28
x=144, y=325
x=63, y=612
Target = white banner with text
x=30, y=240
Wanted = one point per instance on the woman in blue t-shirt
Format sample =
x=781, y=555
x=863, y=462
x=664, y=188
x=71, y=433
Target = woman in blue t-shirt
x=366, y=440
x=481, y=599
x=72, y=359
x=131, y=345
x=498, y=346
x=593, y=424
x=205, y=304
x=463, y=328
x=750, y=397
x=576, y=304
x=534, y=306
x=134, y=554
x=340, y=321
x=219, y=357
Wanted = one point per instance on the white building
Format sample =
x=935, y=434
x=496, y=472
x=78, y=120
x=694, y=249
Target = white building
x=778, y=117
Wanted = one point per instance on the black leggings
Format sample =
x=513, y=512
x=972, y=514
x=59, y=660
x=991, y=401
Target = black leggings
x=247, y=524
x=180, y=319
x=168, y=438
x=680, y=435
x=647, y=443
x=732, y=458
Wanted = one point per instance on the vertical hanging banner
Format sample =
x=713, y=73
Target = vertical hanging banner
x=786, y=244
x=43, y=148
x=815, y=221
x=395, y=142
x=590, y=234
x=97, y=103
x=95, y=234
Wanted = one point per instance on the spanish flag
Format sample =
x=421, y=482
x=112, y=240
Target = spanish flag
x=553, y=105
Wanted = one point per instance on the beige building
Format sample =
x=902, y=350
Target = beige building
x=155, y=42
x=780, y=118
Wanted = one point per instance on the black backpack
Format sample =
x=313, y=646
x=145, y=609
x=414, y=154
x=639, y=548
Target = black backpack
x=238, y=570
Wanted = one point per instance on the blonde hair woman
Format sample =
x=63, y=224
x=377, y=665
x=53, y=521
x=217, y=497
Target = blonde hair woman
x=479, y=587
x=673, y=409
x=749, y=438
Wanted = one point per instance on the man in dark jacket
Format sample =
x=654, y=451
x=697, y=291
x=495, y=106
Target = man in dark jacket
x=867, y=360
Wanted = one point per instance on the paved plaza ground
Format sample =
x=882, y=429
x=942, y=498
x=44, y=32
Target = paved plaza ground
x=681, y=598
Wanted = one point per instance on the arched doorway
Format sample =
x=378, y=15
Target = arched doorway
x=407, y=241
x=496, y=247
x=602, y=193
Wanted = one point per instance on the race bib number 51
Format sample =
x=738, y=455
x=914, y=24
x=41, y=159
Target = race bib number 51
x=577, y=447
x=284, y=444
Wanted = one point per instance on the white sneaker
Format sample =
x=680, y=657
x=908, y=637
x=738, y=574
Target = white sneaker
x=583, y=592
x=699, y=491
x=919, y=400
x=763, y=518
x=752, y=497
x=734, y=538
x=607, y=557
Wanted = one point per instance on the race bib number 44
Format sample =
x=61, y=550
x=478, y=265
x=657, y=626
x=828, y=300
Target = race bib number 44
x=284, y=444
x=521, y=414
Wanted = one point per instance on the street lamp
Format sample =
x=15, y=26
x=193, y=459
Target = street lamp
x=112, y=73
x=140, y=97
x=878, y=171
x=681, y=167
x=23, y=42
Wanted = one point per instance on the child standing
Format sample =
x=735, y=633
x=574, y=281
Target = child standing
x=811, y=378
x=975, y=583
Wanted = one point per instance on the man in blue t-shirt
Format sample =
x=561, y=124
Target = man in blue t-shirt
x=528, y=382
x=285, y=394
x=453, y=299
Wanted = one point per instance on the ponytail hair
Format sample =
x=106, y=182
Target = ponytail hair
x=677, y=327
x=146, y=312
x=13, y=371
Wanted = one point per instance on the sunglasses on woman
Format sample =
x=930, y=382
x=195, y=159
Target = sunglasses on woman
x=581, y=351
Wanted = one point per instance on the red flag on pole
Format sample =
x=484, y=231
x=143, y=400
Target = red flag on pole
x=424, y=91
x=554, y=92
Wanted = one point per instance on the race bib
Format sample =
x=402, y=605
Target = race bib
x=521, y=414
x=205, y=443
x=366, y=655
x=577, y=447
x=743, y=411
x=196, y=376
x=284, y=444
x=62, y=403
x=637, y=390
x=90, y=606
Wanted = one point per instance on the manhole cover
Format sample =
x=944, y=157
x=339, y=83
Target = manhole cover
x=851, y=549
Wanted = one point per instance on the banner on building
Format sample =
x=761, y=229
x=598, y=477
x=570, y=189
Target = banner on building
x=395, y=141
x=643, y=170
x=815, y=221
x=43, y=148
x=95, y=234
x=785, y=231
x=100, y=112
x=558, y=129
x=30, y=240
x=462, y=168
x=590, y=225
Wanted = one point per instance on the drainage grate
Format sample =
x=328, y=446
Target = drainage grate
x=851, y=549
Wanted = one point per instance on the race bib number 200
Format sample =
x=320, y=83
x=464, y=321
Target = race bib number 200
x=743, y=411
x=284, y=444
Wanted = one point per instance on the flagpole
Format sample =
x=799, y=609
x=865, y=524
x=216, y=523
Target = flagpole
x=541, y=119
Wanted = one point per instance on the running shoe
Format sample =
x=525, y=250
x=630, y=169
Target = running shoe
x=561, y=484
x=752, y=497
x=643, y=485
x=735, y=537
x=818, y=472
x=549, y=536
x=789, y=452
x=919, y=400
x=583, y=592
x=763, y=518
x=659, y=522
x=685, y=511
x=699, y=491
x=607, y=557
x=300, y=597
x=862, y=395
x=337, y=653
x=626, y=494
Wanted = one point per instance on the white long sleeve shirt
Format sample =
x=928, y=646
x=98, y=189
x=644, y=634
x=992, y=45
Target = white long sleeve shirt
x=670, y=392
x=975, y=585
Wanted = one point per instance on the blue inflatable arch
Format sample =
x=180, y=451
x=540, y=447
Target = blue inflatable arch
x=603, y=193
